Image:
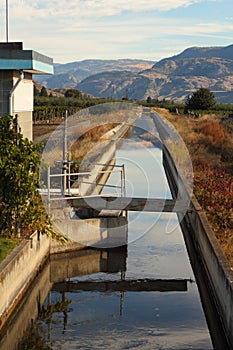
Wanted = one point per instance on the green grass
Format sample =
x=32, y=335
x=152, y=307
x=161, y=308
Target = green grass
x=6, y=246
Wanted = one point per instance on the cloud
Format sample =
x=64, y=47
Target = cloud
x=87, y=8
x=79, y=29
x=149, y=36
x=139, y=28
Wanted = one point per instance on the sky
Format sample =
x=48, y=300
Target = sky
x=74, y=30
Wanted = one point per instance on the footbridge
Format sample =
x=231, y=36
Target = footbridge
x=129, y=203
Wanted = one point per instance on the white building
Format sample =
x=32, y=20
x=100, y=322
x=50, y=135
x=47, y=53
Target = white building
x=16, y=86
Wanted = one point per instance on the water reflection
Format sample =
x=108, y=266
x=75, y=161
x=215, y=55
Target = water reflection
x=87, y=262
x=39, y=306
x=141, y=296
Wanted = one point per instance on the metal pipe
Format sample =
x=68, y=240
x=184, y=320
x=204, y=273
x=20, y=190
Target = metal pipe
x=48, y=186
x=69, y=177
x=64, y=167
x=88, y=173
x=11, y=93
x=124, y=188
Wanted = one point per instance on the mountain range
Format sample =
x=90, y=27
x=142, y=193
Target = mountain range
x=68, y=75
x=172, y=78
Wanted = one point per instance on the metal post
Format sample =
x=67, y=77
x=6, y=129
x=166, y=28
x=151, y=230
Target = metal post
x=124, y=190
x=69, y=170
x=48, y=187
x=7, y=21
x=64, y=162
x=65, y=138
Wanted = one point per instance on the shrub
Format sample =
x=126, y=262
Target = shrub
x=201, y=99
x=213, y=187
x=21, y=210
x=217, y=139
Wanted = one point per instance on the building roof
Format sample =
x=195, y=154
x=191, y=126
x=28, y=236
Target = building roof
x=13, y=57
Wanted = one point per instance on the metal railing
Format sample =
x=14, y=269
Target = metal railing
x=68, y=179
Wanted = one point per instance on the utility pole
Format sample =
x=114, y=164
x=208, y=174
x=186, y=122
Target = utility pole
x=7, y=22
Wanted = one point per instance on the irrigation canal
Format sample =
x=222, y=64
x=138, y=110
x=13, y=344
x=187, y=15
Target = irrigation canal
x=141, y=296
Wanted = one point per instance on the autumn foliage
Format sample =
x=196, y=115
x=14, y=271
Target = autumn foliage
x=210, y=145
x=213, y=187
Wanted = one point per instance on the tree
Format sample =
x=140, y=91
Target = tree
x=149, y=99
x=73, y=93
x=20, y=204
x=43, y=92
x=19, y=162
x=201, y=99
x=36, y=91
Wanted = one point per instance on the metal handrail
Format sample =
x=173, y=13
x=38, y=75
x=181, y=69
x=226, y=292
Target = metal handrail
x=88, y=163
x=85, y=173
x=69, y=175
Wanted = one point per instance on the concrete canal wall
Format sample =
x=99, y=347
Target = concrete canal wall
x=198, y=233
x=218, y=272
x=218, y=269
x=26, y=311
x=19, y=269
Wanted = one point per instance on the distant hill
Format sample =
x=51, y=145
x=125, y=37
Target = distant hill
x=202, y=52
x=69, y=74
x=171, y=78
x=175, y=79
x=112, y=84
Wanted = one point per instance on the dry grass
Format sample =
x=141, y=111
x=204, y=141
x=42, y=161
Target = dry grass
x=210, y=146
x=206, y=138
x=87, y=141
x=41, y=133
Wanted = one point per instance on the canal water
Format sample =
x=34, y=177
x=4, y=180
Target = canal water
x=63, y=315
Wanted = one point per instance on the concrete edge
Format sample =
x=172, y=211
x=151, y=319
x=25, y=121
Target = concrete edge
x=36, y=251
x=217, y=267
